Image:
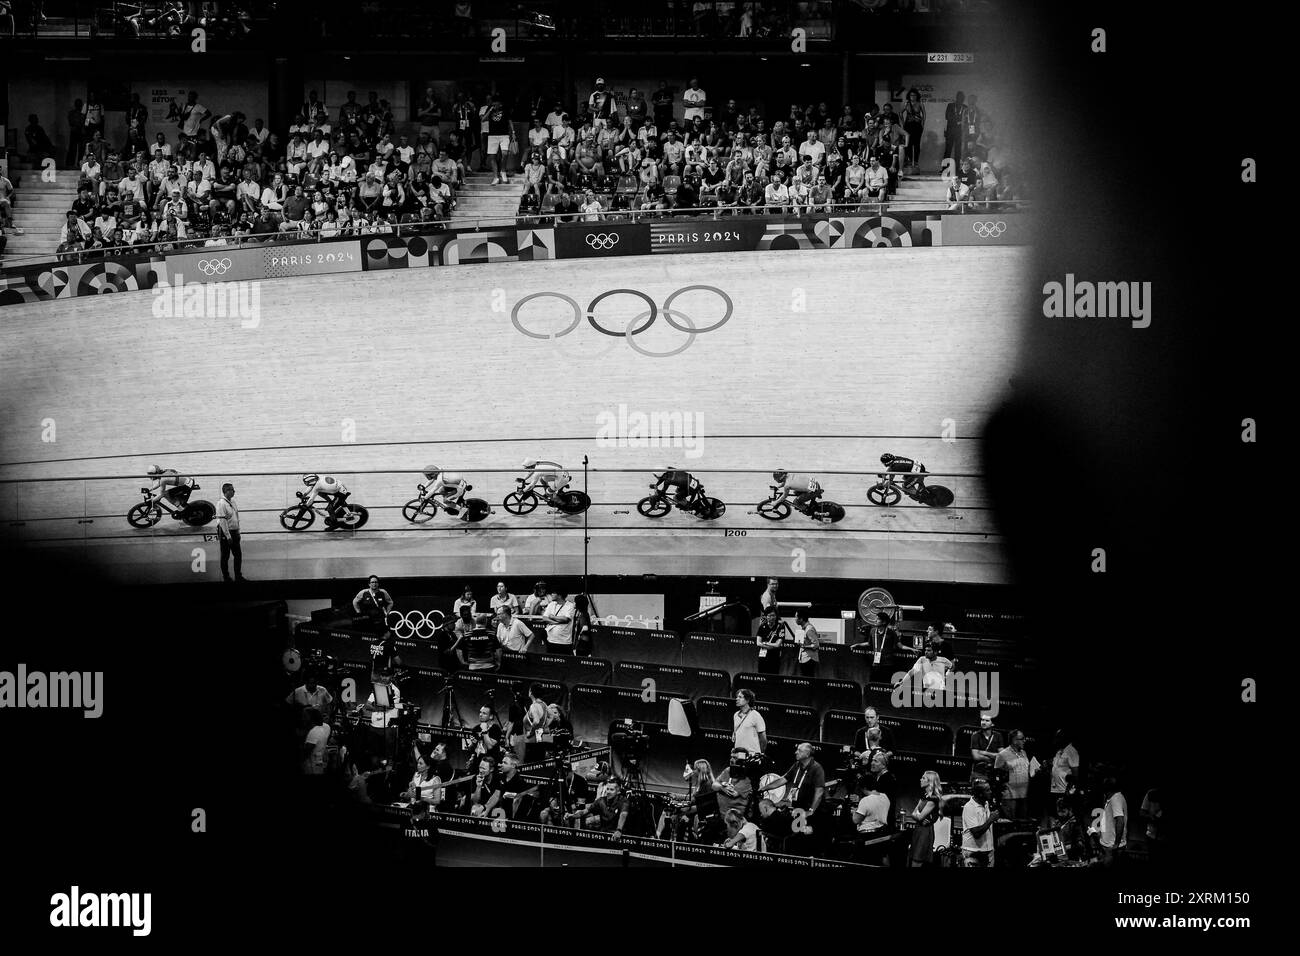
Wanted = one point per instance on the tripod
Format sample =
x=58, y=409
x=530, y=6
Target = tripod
x=450, y=707
x=639, y=811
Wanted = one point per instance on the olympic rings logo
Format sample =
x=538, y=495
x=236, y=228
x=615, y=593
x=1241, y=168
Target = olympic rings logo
x=989, y=230
x=639, y=323
x=414, y=623
x=602, y=240
x=214, y=267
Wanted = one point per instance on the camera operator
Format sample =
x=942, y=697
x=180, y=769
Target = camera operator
x=575, y=792
x=735, y=788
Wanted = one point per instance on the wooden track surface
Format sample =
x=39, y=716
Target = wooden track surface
x=425, y=365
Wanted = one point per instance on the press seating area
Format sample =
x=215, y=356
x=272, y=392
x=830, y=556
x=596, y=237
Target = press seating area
x=705, y=669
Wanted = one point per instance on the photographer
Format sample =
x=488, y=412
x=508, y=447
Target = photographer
x=487, y=736
x=735, y=786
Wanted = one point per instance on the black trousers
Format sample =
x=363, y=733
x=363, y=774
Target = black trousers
x=228, y=546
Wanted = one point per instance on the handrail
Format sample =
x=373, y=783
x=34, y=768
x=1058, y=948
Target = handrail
x=477, y=223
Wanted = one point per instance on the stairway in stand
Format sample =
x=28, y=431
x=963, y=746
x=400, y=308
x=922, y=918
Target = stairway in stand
x=39, y=210
x=478, y=202
x=927, y=188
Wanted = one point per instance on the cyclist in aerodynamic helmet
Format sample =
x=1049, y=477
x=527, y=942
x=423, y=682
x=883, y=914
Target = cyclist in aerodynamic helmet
x=905, y=466
x=169, y=484
x=549, y=474
x=332, y=491
x=446, y=488
x=800, y=489
x=687, y=489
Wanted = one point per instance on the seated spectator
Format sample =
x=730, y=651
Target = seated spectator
x=776, y=823
x=813, y=149
x=370, y=194
x=741, y=834
x=609, y=811
x=84, y=205
x=776, y=196
x=511, y=791
x=710, y=181
x=91, y=176
x=74, y=234
x=877, y=187
x=296, y=209
x=821, y=197
x=752, y=194
x=534, y=176
x=687, y=198
x=448, y=169
x=800, y=197
x=958, y=193
x=249, y=195
x=441, y=196
x=566, y=210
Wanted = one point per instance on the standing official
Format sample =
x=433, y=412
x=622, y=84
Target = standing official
x=228, y=534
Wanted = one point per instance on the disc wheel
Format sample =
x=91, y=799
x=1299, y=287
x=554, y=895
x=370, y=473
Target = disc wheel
x=829, y=512
x=653, y=506
x=356, y=516
x=518, y=504
x=936, y=496
x=712, y=508
x=885, y=494
x=477, y=509
x=144, y=515
x=573, y=502
x=199, y=513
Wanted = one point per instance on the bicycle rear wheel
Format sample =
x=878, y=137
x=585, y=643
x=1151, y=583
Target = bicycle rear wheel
x=573, y=502
x=936, y=496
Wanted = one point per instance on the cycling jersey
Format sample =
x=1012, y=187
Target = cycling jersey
x=326, y=485
x=549, y=473
x=801, y=483
x=171, y=484
x=449, y=484
x=906, y=465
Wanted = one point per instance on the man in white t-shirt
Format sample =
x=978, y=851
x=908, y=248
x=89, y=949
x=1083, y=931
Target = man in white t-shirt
x=749, y=732
x=813, y=148
x=977, y=827
x=1114, y=824
x=872, y=813
x=313, y=748
x=559, y=623
x=694, y=100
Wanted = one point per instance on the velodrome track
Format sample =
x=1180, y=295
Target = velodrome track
x=828, y=358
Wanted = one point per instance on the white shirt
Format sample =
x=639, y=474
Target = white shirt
x=746, y=728
x=693, y=100
x=874, y=808
x=748, y=837
x=592, y=210
x=560, y=633
x=974, y=815
x=317, y=738
x=427, y=790
x=514, y=637
x=1065, y=761
x=499, y=602
x=815, y=149
x=1116, y=806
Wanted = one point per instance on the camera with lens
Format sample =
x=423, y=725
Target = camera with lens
x=745, y=764
x=629, y=740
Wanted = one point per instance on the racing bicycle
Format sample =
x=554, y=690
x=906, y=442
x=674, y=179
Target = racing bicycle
x=302, y=516
x=421, y=509
x=149, y=512
x=888, y=492
x=779, y=506
x=520, y=502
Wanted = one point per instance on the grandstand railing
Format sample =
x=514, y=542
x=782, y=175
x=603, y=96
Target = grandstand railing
x=520, y=220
